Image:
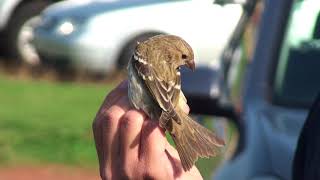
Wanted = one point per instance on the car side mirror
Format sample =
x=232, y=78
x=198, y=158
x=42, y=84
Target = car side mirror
x=203, y=91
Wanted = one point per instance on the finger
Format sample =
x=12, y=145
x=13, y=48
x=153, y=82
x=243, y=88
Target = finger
x=152, y=148
x=112, y=97
x=130, y=133
x=115, y=94
x=153, y=139
x=110, y=134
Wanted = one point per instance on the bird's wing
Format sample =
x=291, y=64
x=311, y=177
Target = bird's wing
x=166, y=94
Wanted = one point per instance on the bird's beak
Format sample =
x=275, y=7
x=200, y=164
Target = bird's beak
x=190, y=64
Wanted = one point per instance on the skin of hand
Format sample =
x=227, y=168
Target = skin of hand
x=131, y=146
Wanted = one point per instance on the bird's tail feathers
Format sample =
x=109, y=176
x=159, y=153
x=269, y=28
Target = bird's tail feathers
x=193, y=141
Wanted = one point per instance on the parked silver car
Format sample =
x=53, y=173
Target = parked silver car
x=98, y=36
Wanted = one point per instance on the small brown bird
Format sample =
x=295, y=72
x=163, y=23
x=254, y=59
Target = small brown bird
x=155, y=87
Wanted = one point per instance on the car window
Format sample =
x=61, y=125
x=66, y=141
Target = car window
x=297, y=79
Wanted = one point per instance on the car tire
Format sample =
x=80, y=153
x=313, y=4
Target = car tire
x=128, y=49
x=23, y=14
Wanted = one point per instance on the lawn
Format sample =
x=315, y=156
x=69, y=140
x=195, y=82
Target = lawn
x=44, y=122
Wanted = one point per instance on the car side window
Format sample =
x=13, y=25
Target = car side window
x=297, y=75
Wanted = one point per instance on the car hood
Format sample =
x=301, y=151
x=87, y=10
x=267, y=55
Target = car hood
x=88, y=8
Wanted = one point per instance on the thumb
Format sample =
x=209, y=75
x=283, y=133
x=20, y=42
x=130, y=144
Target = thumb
x=183, y=103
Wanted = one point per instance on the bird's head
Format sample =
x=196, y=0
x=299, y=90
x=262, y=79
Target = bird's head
x=172, y=49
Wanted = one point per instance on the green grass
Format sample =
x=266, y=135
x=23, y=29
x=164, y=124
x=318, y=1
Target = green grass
x=45, y=122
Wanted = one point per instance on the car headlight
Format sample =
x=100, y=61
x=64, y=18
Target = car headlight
x=66, y=28
x=69, y=26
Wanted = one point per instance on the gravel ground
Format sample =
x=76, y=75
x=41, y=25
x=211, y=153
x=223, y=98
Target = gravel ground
x=47, y=172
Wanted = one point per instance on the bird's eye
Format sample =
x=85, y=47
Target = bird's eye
x=183, y=56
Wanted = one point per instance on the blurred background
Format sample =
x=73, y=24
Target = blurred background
x=257, y=75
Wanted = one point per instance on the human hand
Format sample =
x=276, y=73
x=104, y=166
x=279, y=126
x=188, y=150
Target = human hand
x=131, y=146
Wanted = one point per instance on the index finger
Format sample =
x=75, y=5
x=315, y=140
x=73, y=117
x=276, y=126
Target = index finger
x=104, y=125
x=115, y=94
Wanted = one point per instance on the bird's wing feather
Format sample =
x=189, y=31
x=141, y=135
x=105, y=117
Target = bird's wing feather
x=164, y=93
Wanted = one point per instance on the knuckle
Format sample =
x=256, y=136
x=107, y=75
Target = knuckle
x=106, y=120
x=110, y=115
x=107, y=115
x=133, y=115
x=131, y=118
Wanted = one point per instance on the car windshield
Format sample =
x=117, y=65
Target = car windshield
x=297, y=79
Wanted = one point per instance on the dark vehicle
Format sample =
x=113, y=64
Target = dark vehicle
x=267, y=94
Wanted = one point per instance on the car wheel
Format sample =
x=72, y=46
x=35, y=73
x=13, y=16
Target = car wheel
x=128, y=49
x=19, y=33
